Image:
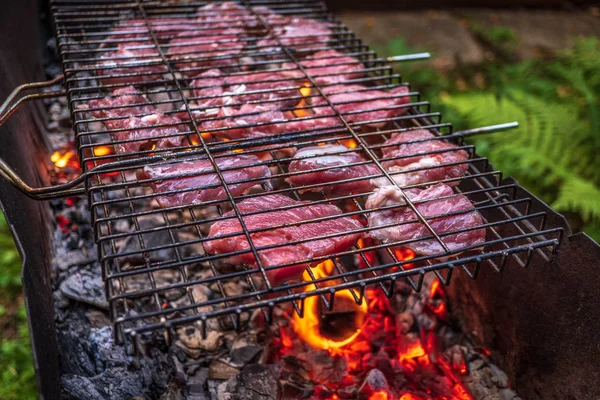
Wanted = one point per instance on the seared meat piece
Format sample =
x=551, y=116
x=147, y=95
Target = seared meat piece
x=430, y=204
x=206, y=49
x=141, y=60
x=404, y=145
x=123, y=102
x=328, y=67
x=359, y=104
x=199, y=174
x=145, y=135
x=327, y=157
x=280, y=231
x=269, y=90
x=301, y=35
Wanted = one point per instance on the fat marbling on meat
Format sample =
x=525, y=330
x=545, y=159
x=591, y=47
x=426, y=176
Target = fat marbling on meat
x=327, y=67
x=431, y=202
x=336, y=159
x=415, y=149
x=134, y=123
x=195, y=180
x=279, y=231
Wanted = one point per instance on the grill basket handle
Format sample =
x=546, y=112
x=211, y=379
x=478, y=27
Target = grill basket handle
x=12, y=103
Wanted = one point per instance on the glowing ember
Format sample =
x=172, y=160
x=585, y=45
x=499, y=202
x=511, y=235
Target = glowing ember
x=100, y=151
x=404, y=254
x=350, y=143
x=62, y=159
x=381, y=395
x=310, y=326
x=299, y=111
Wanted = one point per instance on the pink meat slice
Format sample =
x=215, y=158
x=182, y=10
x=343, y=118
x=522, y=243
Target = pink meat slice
x=162, y=27
x=328, y=67
x=254, y=121
x=359, y=104
x=335, y=158
x=140, y=60
x=270, y=90
x=408, y=144
x=302, y=35
x=206, y=50
x=123, y=102
x=271, y=218
x=430, y=204
x=142, y=133
x=199, y=175
x=225, y=15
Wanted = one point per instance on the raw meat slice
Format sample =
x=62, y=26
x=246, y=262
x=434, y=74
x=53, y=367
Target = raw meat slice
x=301, y=35
x=359, y=104
x=429, y=204
x=198, y=174
x=143, y=134
x=206, y=50
x=162, y=27
x=329, y=156
x=280, y=231
x=140, y=60
x=409, y=144
x=253, y=121
x=123, y=102
x=328, y=67
x=269, y=90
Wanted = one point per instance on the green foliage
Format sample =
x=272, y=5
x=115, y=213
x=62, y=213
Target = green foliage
x=17, y=376
x=10, y=271
x=555, y=151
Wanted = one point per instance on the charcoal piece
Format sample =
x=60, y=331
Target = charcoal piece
x=196, y=384
x=255, y=382
x=373, y=383
x=244, y=355
x=221, y=371
x=151, y=239
x=86, y=286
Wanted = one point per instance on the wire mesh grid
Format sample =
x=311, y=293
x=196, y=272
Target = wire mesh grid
x=233, y=80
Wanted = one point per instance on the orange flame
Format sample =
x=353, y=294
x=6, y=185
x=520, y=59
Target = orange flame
x=436, y=292
x=350, y=143
x=100, y=151
x=299, y=111
x=380, y=395
x=61, y=160
x=404, y=254
x=308, y=327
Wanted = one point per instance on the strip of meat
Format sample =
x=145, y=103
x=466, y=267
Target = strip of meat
x=279, y=231
x=329, y=157
x=301, y=35
x=209, y=50
x=405, y=144
x=198, y=174
x=359, y=104
x=328, y=67
x=123, y=102
x=430, y=205
x=140, y=60
x=253, y=121
x=162, y=27
x=144, y=134
x=139, y=128
x=269, y=90
x=225, y=15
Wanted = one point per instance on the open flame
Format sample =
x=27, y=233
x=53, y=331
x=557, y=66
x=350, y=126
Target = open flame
x=310, y=326
x=299, y=111
x=62, y=159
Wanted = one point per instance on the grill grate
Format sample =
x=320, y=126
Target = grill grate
x=137, y=241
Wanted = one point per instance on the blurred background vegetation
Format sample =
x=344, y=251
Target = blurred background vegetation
x=555, y=153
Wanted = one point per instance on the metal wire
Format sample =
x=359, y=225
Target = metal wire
x=140, y=243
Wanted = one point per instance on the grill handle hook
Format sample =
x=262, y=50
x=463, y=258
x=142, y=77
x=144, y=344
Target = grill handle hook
x=12, y=104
